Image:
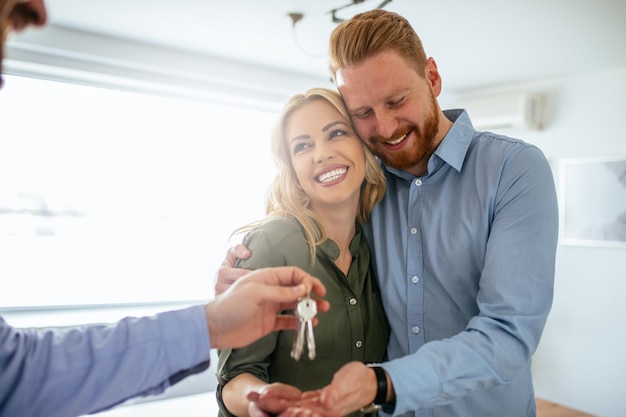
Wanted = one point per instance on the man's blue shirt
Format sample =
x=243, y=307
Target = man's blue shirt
x=80, y=370
x=465, y=257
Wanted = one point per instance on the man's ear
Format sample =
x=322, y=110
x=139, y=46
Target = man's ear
x=433, y=77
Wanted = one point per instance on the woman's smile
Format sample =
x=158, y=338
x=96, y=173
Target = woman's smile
x=332, y=176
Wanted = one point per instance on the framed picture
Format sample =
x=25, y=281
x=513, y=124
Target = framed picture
x=593, y=201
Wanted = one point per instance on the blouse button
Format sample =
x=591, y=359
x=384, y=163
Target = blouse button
x=353, y=301
x=413, y=230
x=415, y=280
x=415, y=329
x=358, y=343
x=418, y=182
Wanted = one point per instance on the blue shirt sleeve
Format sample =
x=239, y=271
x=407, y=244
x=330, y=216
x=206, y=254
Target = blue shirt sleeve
x=79, y=370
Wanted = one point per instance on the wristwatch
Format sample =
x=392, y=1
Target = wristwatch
x=380, y=401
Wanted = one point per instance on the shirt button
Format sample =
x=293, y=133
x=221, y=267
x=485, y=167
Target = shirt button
x=353, y=301
x=418, y=182
x=413, y=230
x=358, y=343
x=415, y=280
x=415, y=329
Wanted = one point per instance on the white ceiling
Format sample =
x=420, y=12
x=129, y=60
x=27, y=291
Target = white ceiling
x=475, y=43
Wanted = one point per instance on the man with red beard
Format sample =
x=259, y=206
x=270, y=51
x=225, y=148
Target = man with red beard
x=464, y=241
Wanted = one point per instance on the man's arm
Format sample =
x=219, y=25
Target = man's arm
x=81, y=370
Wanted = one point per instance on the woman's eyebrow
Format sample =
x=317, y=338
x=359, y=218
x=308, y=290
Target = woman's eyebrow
x=331, y=124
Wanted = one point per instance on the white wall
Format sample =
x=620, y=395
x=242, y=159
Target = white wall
x=581, y=360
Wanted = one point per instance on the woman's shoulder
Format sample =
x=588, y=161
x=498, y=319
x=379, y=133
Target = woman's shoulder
x=277, y=228
x=280, y=233
x=278, y=241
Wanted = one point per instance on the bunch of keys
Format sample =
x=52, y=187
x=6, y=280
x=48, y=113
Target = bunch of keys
x=306, y=309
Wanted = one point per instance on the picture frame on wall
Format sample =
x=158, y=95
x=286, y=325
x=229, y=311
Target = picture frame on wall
x=593, y=201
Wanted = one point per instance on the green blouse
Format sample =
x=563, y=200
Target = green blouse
x=354, y=329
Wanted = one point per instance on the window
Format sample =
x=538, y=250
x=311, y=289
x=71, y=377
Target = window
x=111, y=197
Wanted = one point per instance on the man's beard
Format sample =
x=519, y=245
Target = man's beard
x=423, y=144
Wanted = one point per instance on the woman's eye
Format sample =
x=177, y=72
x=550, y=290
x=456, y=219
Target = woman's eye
x=299, y=147
x=337, y=132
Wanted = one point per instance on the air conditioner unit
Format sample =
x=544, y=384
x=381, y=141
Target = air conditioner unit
x=504, y=110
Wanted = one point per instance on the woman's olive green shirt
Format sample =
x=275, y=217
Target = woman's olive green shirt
x=354, y=329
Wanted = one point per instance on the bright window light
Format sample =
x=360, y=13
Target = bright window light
x=113, y=197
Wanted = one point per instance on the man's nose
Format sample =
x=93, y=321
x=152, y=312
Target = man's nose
x=41, y=12
x=387, y=124
x=33, y=12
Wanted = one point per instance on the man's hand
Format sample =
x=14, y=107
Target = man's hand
x=250, y=308
x=353, y=387
x=227, y=274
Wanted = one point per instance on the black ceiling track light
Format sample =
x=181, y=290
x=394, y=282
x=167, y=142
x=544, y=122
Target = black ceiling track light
x=295, y=17
x=336, y=19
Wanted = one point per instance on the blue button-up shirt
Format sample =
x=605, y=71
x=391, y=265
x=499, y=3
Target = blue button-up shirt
x=79, y=370
x=465, y=257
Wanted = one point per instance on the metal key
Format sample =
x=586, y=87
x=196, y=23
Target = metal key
x=306, y=309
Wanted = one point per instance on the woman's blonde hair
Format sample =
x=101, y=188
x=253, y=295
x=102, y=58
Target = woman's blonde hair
x=372, y=32
x=285, y=197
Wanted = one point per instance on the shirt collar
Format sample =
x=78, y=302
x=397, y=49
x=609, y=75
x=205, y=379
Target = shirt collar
x=454, y=145
x=331, y=250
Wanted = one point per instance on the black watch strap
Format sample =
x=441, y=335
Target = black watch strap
x=381, y=381
x=381, y=389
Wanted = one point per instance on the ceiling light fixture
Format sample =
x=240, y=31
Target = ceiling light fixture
x=336, y=19
x=295, y=17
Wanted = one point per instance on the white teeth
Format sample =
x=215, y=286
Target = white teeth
x=332, y=175
x=400, y=139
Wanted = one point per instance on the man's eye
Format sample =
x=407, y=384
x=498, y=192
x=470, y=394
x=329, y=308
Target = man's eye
x=396, y=102
x=362, y=114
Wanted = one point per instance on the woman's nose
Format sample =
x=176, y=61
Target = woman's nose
x=322, y=152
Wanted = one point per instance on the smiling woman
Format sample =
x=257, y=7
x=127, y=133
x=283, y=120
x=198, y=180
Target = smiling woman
x=109, y=197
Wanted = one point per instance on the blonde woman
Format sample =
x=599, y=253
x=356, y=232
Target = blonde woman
x=326, y=185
